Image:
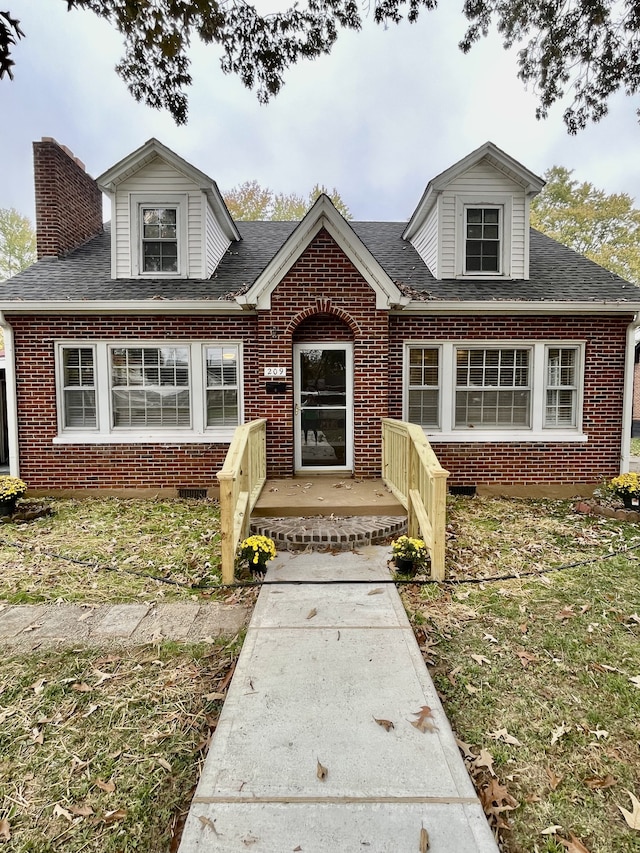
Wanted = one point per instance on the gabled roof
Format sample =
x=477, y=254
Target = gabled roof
x=323, y=214
x=109, y=181
x=498, y=158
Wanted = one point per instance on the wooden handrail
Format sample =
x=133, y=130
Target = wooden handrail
x=411, y=470
x=241, y=480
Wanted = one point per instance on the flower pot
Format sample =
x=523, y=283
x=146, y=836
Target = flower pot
x=8, y=506
x=258, y=570
x=630, y=501
x=404, y=565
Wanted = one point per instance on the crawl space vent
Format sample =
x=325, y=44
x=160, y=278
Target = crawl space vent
x=462, y=490
x=197, y=494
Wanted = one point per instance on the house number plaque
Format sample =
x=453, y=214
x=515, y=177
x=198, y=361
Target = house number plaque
x=275, y=372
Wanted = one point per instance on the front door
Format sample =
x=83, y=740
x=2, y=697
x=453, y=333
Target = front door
x=323, y=397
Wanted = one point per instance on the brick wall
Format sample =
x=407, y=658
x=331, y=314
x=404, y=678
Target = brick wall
x=526, y=462
x=68, y=201
x=322, y=298
x=636, y=389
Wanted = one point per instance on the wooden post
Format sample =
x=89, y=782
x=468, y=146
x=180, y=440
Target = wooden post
x=227, y=544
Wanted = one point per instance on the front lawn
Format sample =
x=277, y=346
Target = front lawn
x=540, y=676
x=112, y=550
x=100, y=750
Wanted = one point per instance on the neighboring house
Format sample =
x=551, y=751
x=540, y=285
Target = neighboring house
x=133, y=352
x=4, y=427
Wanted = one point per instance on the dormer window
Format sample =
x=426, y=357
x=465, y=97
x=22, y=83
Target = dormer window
x=482, y=239
x=159, y=239
x=159, y=229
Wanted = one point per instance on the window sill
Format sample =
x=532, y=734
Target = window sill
x=219, y=436
x=511, y=436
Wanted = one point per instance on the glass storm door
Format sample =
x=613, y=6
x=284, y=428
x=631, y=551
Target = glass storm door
x=323, y=422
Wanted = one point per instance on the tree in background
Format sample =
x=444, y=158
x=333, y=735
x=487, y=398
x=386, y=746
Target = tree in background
x=605, y=228
x=586, y=49
x=249, y=202
x=17, y=242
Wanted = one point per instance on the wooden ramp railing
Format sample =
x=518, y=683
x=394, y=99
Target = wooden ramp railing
x=411, y=470
x=241, y=480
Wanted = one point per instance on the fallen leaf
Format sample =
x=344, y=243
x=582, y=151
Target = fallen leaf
x=551, y=830
x=115, y=815
x=584, y=609
x=565, y=613
x=524, y=627
x=82, y=810
x=90, y=711
x=480, y=659
x=503, y=734
x=321, y=771
x=526, y=658
x=5, y=829
x=109, y=787
x=214, y=697
x=376, y=591
x=559, y=732
x=490, y=637
x=471, y=689
x=38, y=686
x=103, y=676
x=424, y=840
x=58, y=811
x=425, y=722
x=205, y=821
x=635, y=680
x=573, y=844
x=386, y=724
x=632, y=818
x=600, y=782
x=81, y=687
x=465, y=749
x=554, y=779
x=601, y=734
x=37, y=736
x=163, y=763
x=297, y=849
x=485, y=759
x=313, y=612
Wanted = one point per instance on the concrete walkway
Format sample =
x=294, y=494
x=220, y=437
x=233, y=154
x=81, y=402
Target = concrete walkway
x=31, y=626
x=299, y=761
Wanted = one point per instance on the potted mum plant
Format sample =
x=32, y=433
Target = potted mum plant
x=627, y=488
x=11, y=488
x=408, y=554
x=256, y=551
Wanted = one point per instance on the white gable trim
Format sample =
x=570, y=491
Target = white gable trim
x=108, y=181
x=499, y=159
x=323, y=214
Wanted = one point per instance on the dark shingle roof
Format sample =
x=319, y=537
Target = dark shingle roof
x=556, y=272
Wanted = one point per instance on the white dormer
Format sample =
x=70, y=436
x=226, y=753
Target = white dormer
x=168, y=218
x=472, y=221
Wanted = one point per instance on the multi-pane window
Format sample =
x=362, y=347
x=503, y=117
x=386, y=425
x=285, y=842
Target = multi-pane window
x=222, y=385
x=493, y=388
x=150, y=387
x=424, y=386
x=78, y=388
x=159, y=239
x=482, y=239
x=561, y=388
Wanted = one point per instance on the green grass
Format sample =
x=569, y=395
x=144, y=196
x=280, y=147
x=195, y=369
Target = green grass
x=555, y=655
x=100, y=750
x=114, y=550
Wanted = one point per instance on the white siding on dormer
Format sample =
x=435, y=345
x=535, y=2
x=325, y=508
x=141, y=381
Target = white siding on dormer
x=425, y=241
x=217, y=242
x=204, y=241
x=486, y=184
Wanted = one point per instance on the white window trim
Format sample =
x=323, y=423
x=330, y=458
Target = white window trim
x=104, y=433
x=179, y=201
x=504, y=203
x=537, y=432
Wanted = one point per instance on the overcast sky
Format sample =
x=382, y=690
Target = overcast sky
x=384, y=113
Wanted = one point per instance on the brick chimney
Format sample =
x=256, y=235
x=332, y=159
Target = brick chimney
x=68, y=201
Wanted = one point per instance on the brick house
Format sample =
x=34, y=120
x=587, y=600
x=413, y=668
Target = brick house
x=135, y=349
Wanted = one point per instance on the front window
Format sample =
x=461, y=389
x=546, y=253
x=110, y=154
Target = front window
x=492, y=388
x=482, y=239
x=561, y=390
x=424, y=386
x=159, y=239
x=222, y=385
x=78, y=388
x=150, y=387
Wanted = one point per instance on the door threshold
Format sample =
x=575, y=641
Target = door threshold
x=324, y=472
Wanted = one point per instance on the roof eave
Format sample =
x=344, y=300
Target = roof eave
x=518, y=307
x=134, y=306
